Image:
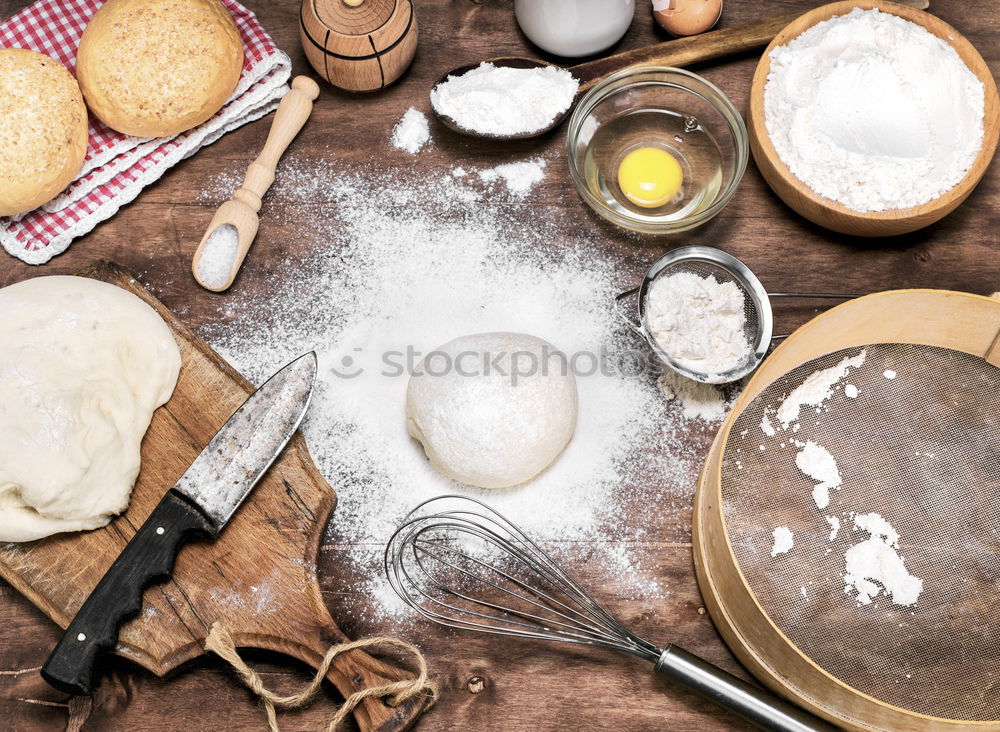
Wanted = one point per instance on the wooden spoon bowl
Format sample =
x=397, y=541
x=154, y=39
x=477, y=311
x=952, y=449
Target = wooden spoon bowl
x=833, y=215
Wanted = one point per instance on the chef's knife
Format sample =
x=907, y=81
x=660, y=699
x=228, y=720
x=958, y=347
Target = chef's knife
x=198, y=506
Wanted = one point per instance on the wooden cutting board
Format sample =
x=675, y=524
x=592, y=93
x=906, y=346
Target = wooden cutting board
x=258, y=579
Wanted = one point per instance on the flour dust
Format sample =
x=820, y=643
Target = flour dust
x=396, y=263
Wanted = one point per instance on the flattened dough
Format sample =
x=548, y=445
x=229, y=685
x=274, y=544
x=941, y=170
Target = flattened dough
x=492, y=409
x=83, y=364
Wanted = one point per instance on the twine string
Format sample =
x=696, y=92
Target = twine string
x=79, y=711
x=221, y=643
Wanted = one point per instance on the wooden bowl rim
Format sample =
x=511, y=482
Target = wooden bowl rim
x=966, y=51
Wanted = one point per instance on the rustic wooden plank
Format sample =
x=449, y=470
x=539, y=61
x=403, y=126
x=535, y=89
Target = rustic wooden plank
x=526, y=686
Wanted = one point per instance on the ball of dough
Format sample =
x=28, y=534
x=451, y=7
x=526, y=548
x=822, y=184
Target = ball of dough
x=156, y=68
x=43, y=129
x=492, y=409
x=82, y=368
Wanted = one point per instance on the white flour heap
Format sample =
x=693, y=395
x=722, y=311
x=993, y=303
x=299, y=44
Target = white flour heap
x=402, y=261
x=698, y=322
x=816, y=389
x=816, y=462
x=875, y=562
x=834, y=527
x=873, y=111
x=784, y=540
x=411, y=132
x=505, y=101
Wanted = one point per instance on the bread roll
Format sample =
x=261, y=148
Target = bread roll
x=43, y=129
x=155, y=68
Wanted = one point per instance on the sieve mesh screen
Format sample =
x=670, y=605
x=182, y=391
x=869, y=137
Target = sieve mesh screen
x=752, y=327
x=922, y=450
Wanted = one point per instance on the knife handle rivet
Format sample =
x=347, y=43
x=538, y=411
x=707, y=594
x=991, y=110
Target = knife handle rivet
x=82, y=637
x=159, y=531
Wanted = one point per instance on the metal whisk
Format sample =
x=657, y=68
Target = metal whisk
x=463, y=565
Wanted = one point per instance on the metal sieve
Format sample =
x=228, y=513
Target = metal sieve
x=919, y=445
x=711, y=262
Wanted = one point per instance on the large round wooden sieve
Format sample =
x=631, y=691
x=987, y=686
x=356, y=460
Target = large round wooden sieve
x=923, y=450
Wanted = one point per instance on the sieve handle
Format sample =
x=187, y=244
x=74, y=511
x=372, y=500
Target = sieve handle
x=620, y=308
x=752, y=703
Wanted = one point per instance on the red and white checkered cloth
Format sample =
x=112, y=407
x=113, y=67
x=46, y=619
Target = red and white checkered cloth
x=118, y=167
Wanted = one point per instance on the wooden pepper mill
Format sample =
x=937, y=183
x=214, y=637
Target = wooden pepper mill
x=359, y=45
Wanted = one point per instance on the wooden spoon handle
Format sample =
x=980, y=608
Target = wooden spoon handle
x=684, y=51
x=294, y=110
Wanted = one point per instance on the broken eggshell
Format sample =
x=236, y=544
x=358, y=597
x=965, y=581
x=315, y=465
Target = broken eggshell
x=687, y=17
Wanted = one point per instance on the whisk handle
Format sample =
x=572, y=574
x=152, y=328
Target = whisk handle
x=752, y=703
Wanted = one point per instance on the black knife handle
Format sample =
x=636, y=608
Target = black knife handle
x=149, y=557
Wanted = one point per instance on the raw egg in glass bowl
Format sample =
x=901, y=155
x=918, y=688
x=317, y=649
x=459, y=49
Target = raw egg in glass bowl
x=656, y=149
x=650, y=176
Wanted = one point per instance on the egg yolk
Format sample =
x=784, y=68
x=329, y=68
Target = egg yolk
x=649, y=177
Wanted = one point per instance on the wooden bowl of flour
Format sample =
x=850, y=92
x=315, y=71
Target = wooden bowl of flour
x=831, y=214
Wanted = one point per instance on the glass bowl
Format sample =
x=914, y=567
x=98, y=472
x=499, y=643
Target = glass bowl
x=677, y=110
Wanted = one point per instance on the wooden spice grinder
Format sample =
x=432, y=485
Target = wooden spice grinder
x=359, y=45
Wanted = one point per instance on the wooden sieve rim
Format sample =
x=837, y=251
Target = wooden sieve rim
x=955, y=320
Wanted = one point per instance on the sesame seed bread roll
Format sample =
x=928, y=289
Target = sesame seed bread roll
x=43, y=129
x=155, y=68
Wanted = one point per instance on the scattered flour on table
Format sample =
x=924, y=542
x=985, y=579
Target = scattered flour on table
x=505, y=101
x=875, y=561
x=399, y=262
x=889, y=374
x=411, y=132
x=851, y=391
x=699, y=401
x=816, y=462
x=520, y=177
x=873, y=111
x=783, y=541
x=816, y=389
x=699, y=323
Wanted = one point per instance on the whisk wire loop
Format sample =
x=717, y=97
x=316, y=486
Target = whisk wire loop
x=540, y=600
x=462, y=567
x=565, y=616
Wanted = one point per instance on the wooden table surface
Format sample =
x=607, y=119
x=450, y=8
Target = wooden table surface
x=487, y=684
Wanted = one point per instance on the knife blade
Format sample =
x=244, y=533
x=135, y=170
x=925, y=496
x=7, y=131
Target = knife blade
x=198, y=506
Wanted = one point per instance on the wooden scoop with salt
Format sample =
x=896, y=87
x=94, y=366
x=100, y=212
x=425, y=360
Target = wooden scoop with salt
x=234, y=226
